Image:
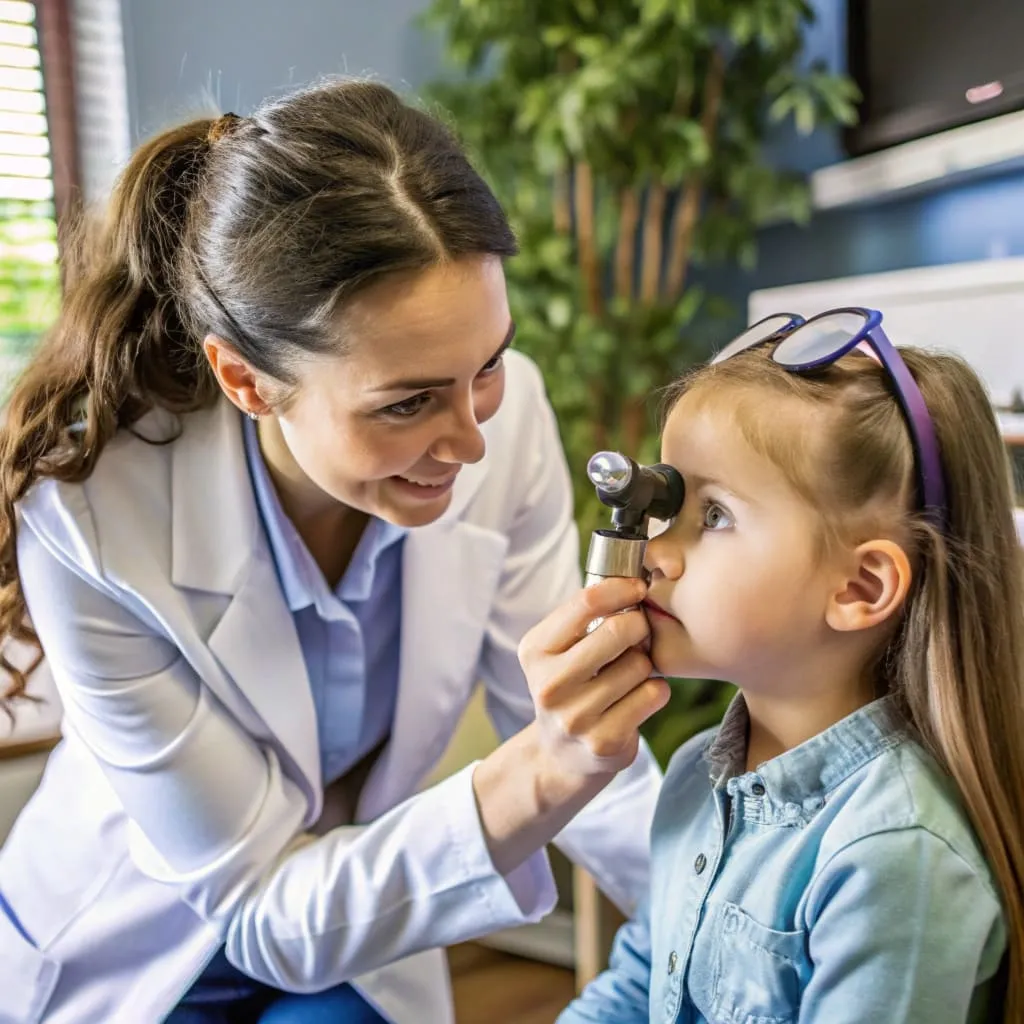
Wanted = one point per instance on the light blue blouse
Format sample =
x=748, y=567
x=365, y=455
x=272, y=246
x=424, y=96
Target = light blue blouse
x=349, y=635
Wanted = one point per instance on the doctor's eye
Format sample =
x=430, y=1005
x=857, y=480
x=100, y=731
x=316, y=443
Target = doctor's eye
x=408, y=407
x=493, y=364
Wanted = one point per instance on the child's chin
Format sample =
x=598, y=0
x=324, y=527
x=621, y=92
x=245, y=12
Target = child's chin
x=671, y=664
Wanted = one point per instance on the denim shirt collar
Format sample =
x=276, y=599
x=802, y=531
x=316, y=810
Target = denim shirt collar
x=797, y=783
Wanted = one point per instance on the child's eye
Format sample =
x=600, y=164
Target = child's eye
x=493, y=364
x=408, y=407
x=716, y=517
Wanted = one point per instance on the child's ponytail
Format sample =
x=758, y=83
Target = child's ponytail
x=960, y=659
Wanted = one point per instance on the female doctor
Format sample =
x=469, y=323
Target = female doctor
x=283, y=496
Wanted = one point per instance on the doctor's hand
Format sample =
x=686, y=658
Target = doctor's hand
x=592, y=691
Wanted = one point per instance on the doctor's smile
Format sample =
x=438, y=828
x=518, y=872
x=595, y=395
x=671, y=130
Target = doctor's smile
x=424, y=491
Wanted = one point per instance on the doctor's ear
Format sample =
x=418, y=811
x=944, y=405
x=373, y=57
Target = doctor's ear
x=238, y=380
x=874, y=585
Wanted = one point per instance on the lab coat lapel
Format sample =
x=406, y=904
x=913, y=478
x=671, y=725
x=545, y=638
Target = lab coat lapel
x=218, y=545
x=258, y=646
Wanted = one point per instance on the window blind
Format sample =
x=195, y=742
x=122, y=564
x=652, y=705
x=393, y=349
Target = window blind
x=101, y=95
x=29, y=280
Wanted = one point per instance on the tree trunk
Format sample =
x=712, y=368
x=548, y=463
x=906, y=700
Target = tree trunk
x=687, y=209
x=590, y=263
x=562, y=202
x=625, y=250
x=684, y=221
x=654, y=233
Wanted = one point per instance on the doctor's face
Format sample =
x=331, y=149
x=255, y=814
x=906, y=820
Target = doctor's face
x=386, y=426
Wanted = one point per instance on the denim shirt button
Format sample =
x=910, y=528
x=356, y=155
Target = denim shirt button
x=673, y=962
x=758, y=789
x=700, y=864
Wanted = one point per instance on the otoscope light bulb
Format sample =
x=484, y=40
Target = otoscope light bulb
x=609, y=470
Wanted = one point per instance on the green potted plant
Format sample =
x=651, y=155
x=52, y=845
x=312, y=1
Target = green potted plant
x=626, y=139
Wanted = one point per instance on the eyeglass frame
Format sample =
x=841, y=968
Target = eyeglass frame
x=931, y=484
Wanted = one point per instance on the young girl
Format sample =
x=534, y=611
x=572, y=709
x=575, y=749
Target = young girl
x=846, y=847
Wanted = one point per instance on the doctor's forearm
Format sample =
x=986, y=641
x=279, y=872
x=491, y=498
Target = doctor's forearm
x=524, y=800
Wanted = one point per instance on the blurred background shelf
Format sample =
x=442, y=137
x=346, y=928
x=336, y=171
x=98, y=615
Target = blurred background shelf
x=954, y=157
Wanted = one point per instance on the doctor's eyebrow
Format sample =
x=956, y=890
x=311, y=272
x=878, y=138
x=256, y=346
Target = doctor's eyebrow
x=445, y=382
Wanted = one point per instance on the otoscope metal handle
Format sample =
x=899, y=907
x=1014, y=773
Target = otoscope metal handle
x=613, y=555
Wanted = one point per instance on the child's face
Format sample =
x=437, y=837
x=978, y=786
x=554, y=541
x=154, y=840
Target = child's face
x=738, y=575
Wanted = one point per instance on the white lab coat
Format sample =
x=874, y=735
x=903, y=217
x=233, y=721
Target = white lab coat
x=174, y=815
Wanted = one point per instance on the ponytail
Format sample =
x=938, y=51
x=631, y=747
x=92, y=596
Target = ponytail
x=120, y=347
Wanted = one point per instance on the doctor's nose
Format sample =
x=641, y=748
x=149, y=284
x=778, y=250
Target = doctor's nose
x=462, y=442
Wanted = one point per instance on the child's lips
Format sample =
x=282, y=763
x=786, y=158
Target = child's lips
x=655, y=609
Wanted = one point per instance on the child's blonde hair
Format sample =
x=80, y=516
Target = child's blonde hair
x=956, y=660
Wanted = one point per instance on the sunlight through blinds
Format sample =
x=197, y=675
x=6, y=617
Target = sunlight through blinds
x=29, y=281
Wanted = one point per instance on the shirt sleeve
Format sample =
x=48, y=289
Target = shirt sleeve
x=901, y=929
x=621, y=994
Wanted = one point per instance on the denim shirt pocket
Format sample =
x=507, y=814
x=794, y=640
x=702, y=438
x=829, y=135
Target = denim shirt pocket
x=746, y=973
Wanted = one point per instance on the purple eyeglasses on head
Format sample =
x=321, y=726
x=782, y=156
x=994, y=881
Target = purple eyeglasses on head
x=805, y=345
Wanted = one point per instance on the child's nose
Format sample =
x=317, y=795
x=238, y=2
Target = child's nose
x=664, y=556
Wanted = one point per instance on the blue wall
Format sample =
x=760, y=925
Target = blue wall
x=980, y=220
x=180, y=54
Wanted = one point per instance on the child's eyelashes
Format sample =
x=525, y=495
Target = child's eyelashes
x=716, y=516
x=713, y=518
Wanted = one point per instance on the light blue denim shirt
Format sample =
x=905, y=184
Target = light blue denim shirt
x=350, y=635
x=839, y=883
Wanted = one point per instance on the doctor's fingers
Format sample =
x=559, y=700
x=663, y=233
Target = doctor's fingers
x=588, y=655
x=567, y=624
x=577, y=699
x=616, y=635
x=554, y=675
x=616, y=732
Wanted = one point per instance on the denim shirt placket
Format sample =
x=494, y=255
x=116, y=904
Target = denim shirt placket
x=705, y=866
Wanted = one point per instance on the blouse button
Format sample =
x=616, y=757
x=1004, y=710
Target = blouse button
x=700, y=863
x=673, y=962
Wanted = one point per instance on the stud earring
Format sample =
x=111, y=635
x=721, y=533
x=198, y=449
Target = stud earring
x=252, y=416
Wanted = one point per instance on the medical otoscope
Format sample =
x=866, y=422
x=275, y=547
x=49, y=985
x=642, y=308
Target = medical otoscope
x=636, y=494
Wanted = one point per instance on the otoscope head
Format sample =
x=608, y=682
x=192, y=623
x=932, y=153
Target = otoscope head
x=610, y=472
x=635, y=492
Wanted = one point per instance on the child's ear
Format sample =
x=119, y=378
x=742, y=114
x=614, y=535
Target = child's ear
x=873, y=588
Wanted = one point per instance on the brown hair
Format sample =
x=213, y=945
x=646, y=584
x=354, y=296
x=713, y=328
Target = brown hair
x=257, y=229
x=956, y=661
